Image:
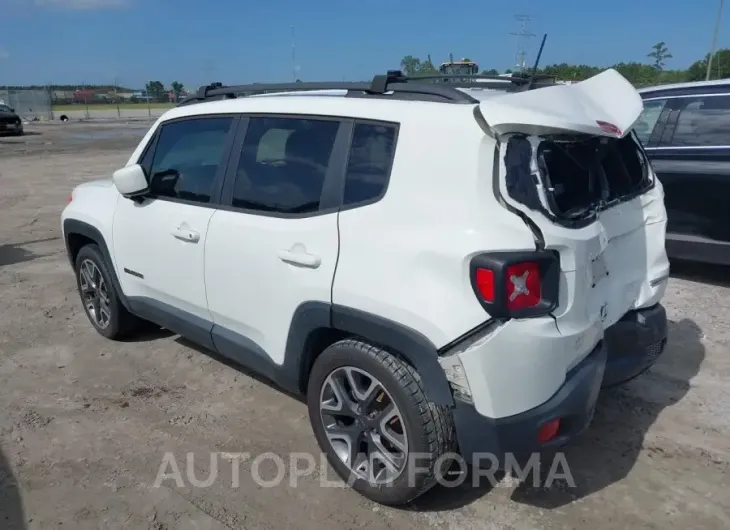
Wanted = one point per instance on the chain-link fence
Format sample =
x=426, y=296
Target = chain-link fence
x=28, y=104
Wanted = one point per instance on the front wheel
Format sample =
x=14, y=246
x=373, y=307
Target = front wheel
x=371, y=418
x=101, y=301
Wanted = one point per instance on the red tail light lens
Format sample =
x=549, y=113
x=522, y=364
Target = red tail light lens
x=523, y=285
x=516, y=284
x=70, y=197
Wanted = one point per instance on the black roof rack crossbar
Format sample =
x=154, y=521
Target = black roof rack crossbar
x=393, y=81
x=380, y=85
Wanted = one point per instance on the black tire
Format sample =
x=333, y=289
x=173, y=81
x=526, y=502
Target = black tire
x=429, y=427
x=122, y=323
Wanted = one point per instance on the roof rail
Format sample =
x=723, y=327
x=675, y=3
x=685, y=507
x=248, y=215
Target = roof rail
x=393, y=81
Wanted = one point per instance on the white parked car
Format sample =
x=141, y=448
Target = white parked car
x=437, y=268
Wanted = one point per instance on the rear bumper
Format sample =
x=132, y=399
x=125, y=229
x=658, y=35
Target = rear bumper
x=629, y=348
x=517, y=436
x=634, y=343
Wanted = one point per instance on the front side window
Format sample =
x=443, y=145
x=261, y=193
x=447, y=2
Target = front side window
x=704, y=121
x=186, y=158
x=283, y=164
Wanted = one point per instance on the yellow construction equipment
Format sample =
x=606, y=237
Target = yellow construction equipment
x=463, y=67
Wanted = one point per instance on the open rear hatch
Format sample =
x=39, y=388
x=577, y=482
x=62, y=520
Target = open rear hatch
x=571, y=165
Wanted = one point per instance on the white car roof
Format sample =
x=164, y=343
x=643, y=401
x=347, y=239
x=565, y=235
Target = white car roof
x=690, y=84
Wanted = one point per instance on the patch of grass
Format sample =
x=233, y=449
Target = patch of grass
x=111, y=106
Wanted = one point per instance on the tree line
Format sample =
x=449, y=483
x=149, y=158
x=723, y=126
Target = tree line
x=652, y=72
x=154, y=90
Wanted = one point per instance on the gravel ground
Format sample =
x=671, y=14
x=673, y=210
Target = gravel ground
x=85, y=423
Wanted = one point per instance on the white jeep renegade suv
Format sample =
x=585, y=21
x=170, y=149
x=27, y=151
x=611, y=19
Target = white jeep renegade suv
x=438, y=267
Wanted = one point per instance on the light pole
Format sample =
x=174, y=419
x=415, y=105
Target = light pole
x=714, y=41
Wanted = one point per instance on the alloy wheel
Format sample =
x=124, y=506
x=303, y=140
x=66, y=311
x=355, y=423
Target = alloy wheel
x=94, y=293
x=364, y=425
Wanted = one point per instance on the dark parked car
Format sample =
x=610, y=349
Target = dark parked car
x=10, y=123
x=685, y=129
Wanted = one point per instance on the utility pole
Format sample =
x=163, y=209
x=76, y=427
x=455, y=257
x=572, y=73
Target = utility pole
x=714, y=40
x=293, y=56
x=116, y=96
x=523, y=36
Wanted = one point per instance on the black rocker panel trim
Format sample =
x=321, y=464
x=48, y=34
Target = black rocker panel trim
x=309, y=319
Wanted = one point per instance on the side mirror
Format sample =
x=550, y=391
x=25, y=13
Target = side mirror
x=130, y=180
x=12, y=110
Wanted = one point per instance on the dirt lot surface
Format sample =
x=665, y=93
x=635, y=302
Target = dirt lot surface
x=85, y=422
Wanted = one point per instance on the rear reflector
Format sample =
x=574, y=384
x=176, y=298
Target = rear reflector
x=548, y=431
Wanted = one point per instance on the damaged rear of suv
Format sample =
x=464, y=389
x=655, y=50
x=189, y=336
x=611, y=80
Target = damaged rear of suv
x=585, y=303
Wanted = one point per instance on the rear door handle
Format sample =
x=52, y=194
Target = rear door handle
x=185, y=234
x=302, y=259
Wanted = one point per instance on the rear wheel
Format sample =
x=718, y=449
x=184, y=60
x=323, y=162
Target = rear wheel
x=371, y=418
x=100, y=299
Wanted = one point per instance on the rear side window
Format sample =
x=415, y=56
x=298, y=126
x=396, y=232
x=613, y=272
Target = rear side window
x=186, y=158
x=703, y=121
x=369, y=163
x=283, y=164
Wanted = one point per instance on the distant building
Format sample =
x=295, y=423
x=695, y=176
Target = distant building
x=140, y=95
x=62, y=94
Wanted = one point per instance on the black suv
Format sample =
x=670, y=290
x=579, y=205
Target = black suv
x=685, y=129
x=10, y=123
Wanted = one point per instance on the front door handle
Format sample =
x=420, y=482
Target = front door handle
x=185, y=234
x=302, y=259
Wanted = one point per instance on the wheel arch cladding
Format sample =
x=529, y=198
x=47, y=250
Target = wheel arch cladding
x=410, y=345
x=318, y=325
x=78, y=234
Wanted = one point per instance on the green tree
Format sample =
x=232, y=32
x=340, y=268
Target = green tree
x=427, y=67
x=177, y=89
x=639, y=74
x=659, y=54
x=720, y=67
x=410, y=65
x=491, y=71
x=156, y=90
